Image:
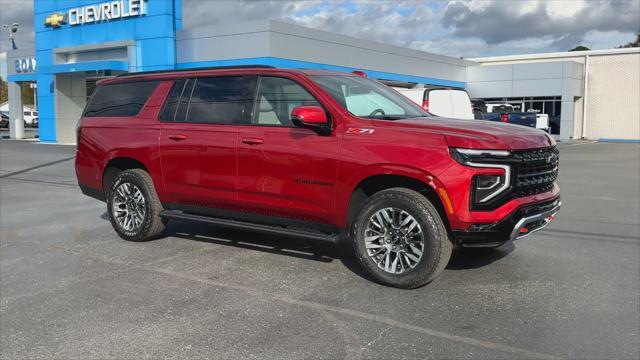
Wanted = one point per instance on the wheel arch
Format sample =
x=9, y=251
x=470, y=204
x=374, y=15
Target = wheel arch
x=115, y=166
x=374, y=183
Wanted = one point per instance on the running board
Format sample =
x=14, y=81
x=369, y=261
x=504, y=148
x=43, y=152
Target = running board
x=249, y=226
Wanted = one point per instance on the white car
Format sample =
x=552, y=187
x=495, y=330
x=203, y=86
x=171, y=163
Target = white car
x=30, y=117
x=450, y=103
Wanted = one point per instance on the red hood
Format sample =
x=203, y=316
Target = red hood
x=477, y=134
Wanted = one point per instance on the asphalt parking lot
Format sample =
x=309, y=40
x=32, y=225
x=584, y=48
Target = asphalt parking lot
x=70, y=288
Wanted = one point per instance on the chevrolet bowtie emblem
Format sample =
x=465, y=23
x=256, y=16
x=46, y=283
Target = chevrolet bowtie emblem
x=55, y=20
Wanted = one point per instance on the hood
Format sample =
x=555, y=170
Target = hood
x=477, y=134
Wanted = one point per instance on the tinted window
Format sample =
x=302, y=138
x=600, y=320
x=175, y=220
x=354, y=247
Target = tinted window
x=222, y=100
x=124, y=99
x=171, y=103
x=183, y=105
x=276, y=99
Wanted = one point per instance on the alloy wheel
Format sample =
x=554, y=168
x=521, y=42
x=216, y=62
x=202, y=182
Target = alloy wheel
x=394, y=240
x=129, y=206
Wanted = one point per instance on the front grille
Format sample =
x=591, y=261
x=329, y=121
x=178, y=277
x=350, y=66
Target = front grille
x=534, y=171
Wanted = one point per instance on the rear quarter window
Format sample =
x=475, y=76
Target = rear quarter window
x=122, y=99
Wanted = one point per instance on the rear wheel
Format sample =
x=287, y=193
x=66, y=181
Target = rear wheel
x=400, y=240
x=133, y=206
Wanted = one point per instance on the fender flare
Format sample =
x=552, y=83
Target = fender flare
x=154, y=170
x=343, y=200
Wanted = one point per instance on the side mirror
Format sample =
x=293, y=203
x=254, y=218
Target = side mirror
x=311, y=117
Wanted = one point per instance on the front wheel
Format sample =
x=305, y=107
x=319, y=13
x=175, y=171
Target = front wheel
x=133, y=206
x=400, y=239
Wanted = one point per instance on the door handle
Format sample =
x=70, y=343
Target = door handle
x=253, y=141
x=179, y=137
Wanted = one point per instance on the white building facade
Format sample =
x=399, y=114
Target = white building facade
x=604, y=85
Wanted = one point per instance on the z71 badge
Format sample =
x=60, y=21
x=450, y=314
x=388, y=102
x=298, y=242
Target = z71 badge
x=360, y=131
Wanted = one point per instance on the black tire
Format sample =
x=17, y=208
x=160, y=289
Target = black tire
x=152, y=224
x=437, y=246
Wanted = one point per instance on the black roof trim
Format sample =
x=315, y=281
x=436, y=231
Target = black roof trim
x=196, y=69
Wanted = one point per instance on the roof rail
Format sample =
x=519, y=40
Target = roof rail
x=193, y=69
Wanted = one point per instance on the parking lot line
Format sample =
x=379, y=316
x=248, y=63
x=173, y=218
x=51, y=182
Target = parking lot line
x=367, y=316
x=318, y=306
x=37, y=167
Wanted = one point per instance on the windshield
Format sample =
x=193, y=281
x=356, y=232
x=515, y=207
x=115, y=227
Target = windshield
x=369, y=99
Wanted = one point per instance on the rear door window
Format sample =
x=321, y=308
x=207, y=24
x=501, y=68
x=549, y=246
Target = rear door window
x=170, y=106
x=121, y=99
x=221, y=100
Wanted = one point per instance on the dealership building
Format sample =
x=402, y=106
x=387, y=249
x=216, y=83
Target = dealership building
x=587, y=94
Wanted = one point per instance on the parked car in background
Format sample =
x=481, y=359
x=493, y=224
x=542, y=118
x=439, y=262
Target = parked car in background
x=505, y=113
x=29, y=117
x=479, y=108
x=554, y=125
x=312, y=154
x=542, y=122
x=4, y=120
x=444, y=102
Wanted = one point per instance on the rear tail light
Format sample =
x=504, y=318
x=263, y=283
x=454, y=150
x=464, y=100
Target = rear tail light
x=78, y=131
x=425, y=105
x=360, y=73
x=504, y=118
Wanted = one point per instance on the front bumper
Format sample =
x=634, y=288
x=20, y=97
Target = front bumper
x=523, y=222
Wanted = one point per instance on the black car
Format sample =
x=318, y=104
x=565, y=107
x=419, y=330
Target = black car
x=479, y=108
x=4, y=121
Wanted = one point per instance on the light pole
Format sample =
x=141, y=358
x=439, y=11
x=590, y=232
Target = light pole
x=16, y=116
x=34, y=86
x=12, y=30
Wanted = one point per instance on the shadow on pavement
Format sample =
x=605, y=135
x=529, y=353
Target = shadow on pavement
x=310, y=250
x=473, y=258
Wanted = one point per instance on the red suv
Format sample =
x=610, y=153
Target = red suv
x=312, y=154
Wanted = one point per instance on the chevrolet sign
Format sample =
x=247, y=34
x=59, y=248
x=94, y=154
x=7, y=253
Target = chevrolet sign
x=106, y=11
x=55, y=20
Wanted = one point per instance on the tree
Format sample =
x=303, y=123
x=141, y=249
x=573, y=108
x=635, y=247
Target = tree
x=26, y=90
x=4, y=91
x=580, y=48
x=635, y=43
x=27, y=94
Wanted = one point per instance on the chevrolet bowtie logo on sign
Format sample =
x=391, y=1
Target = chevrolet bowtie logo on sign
x=55, y=20
x=112, y=10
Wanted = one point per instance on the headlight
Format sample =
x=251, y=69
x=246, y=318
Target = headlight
x=485, y=187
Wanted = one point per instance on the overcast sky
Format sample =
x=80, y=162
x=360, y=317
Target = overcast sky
x=458, y=28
